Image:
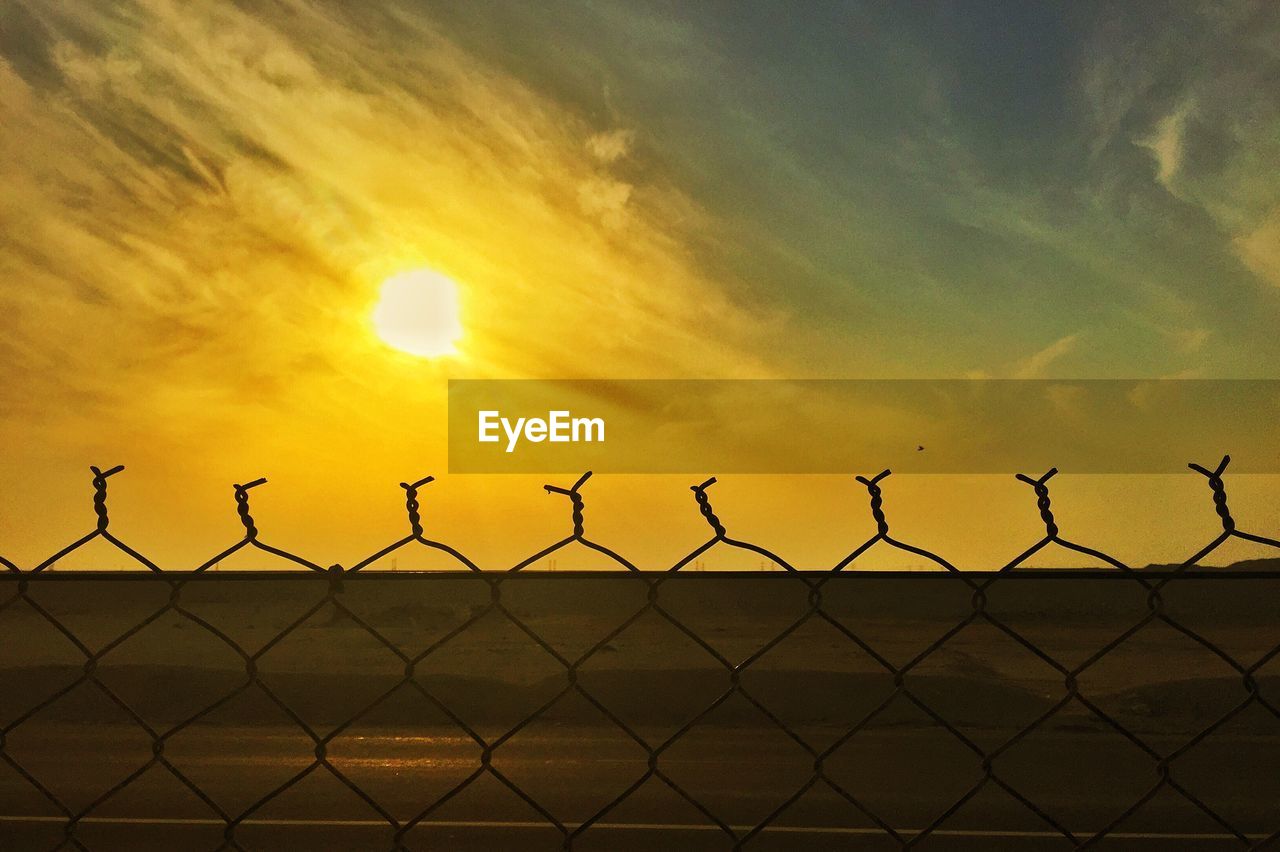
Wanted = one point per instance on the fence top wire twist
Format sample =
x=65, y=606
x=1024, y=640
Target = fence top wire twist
x=411, y=504
x=719, y=534
x=1219, y=491
x=100, y=530
x=577, y=535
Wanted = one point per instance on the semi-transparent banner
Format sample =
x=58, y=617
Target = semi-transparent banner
x=841, y=426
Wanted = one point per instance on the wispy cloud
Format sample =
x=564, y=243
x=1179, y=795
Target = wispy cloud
x=611, y=146
x=201, y=200
x=1036, y=365
x=1260, y=248
x=1166, y=143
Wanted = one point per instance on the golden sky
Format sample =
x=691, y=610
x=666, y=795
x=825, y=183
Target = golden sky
x=201, y=201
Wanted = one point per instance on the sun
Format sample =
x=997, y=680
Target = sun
x=418, y=313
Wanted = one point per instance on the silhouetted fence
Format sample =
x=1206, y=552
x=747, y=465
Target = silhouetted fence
x=832, y=686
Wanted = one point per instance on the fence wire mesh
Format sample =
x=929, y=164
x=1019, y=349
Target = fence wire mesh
x=405, y=830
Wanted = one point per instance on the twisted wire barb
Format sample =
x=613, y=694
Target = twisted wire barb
x=1041, y=487
x=100, y=528
x=411, y=504
x=575, y=498
x=242, y=507
x=1219, y=491
x=100, y=493
x=704, y=506
x=578, y=535
x=416, y=533
x=877, y=502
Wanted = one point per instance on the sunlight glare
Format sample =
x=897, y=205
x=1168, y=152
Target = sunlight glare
x=418, y=313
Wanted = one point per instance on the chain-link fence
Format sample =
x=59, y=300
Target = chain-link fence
x=640, y=709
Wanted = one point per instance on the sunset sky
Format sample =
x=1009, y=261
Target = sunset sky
x=201, y=200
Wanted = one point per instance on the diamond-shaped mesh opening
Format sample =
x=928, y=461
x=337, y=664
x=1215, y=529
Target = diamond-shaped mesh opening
x=241, y=750
x=170, y=670
x=884, y=557
x=1233, y=770
x=1075, y=619
x=573, y=614
x=898, y=617
x=1161, y=680
x=98, y=612
x=989, y=805
x=21, y=797
x=1236, y=615
x=654, y=677
x=903, y=766
x=253, y=558
x=1239, y=554
x=1057, y=555
x=576, y=557
x=329, y=668
x=95, y=555
x=1078, y=768
x=818, y=682
x=318, y=796
x=413, y=615
x=572, y=759
x=631, y=824
x=405, y=753
x=492, y=674
x=735, y=625
x=737, y=763
x=985, y=683
x=80, y=746
x=251, y=612
x=1170, y=819
x=724, y=557
x=485, y=813
x=822, y=819
x=136, y=801
x=1267, y=676
x=415, y=556
x=36, y=661
x=10, y=595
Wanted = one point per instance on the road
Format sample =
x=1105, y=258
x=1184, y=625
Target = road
x=741, y=774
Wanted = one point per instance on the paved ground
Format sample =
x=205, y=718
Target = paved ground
x=742, y=773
